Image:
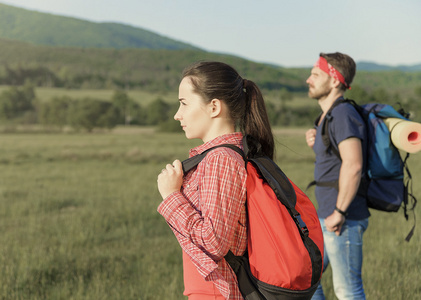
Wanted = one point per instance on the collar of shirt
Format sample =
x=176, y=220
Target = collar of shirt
x=235, y=138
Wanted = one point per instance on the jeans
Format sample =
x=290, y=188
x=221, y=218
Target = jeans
x=345, y=255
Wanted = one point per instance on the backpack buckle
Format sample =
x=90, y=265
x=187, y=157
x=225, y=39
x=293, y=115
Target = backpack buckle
x=300, y=224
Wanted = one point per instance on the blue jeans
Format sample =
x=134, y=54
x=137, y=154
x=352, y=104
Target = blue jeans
x=345, y=255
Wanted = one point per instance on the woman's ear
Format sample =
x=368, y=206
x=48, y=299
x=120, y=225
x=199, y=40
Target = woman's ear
x=215, y=107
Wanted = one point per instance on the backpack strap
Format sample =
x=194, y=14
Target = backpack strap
x=192, y=162
x=250, y=145
x=334, y=184
x=328, y=118
x=408, y=195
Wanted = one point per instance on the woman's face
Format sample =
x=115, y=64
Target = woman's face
x=194, y=114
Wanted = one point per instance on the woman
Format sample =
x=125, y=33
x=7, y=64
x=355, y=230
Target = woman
x=206, y=208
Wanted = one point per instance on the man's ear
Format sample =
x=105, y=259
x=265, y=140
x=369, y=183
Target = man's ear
x=215, y=107
x=335, y=82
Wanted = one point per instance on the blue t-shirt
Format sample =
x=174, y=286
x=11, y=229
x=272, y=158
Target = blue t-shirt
x=345, y=123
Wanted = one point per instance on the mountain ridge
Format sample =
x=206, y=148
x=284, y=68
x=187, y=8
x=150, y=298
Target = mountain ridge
x=48, y=29
x=53, y=30
x=371, y=66
x=150, y=69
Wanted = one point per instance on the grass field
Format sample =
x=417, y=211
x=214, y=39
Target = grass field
x=78, y=219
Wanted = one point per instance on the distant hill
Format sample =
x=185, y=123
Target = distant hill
x=47, y=29
x=53, y=30
x=149, y=69
x=369, y=66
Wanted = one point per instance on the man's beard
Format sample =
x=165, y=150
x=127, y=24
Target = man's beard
x=319, y=93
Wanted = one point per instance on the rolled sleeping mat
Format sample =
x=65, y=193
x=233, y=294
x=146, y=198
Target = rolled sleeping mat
x=405, y=135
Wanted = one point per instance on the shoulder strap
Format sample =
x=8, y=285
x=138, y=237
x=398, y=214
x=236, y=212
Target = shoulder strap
x=408, y=195
x=277, y=180
x=192, y=162
x=328, y=118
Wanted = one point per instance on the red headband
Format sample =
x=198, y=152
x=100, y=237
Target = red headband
x=326, y=67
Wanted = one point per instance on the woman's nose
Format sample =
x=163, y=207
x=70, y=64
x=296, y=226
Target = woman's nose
x=177, y=116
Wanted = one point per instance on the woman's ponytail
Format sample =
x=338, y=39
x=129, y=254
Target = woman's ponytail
x=256, y=121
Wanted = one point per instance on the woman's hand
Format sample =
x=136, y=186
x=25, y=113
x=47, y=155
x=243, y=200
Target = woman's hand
x=170, y=179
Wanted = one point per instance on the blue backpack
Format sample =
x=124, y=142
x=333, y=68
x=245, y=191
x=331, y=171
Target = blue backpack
x=384, y=183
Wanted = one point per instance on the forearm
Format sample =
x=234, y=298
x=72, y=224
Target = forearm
x=349, y=181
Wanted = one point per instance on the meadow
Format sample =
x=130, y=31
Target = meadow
x=78, y=218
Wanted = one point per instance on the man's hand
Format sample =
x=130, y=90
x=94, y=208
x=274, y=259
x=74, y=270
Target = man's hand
x=310, y=137
x=334, y=222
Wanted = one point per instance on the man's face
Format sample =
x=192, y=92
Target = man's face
x=319, y=84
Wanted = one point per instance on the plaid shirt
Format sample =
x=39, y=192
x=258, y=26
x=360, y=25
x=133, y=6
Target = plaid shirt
x=208, y=215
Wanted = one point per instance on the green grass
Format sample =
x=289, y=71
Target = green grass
x=78, y=219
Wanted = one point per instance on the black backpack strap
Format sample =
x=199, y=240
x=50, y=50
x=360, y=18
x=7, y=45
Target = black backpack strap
x=311, y=184
x=325, y=126
x=277, y=180
x=247, y=283
x=326, y=137
x=192, y=162
x=334, y=184
x=408, y=195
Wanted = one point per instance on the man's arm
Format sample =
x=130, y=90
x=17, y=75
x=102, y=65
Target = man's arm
x=349, y=181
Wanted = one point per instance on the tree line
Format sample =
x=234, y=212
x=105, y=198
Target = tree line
x=19, y=105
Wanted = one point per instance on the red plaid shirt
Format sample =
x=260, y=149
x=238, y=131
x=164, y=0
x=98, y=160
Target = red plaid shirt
x=208, y=215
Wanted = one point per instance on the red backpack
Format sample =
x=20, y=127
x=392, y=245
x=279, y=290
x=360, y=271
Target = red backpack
x=284, y=258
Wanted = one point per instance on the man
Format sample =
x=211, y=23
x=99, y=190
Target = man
x=343, y=214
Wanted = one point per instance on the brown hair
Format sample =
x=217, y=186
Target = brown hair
x=344, y=64
x=216, y=80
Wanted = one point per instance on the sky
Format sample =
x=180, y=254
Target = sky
x=290, y=33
